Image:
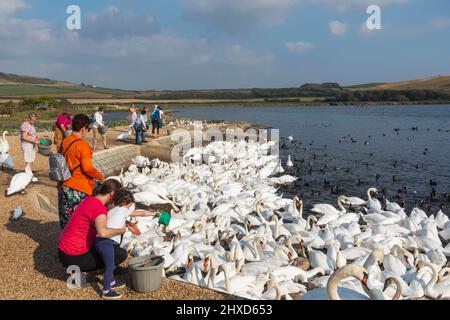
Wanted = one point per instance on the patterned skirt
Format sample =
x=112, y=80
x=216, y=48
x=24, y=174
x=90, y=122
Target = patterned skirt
x=68, y=201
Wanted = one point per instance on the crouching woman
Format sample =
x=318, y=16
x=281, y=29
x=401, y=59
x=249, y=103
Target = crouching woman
x=77, y=243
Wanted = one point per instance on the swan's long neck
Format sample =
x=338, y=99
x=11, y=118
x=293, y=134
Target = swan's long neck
x=227, y=279
x=332, y=287
x=340, y=205
x=291, y=249
x=336, y=278
x=369, y=195
x=430, y=286
x=277, y=291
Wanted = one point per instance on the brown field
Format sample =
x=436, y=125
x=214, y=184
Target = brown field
x=440, y=83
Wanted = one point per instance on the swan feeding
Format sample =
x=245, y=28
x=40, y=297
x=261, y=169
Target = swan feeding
x=232, y=231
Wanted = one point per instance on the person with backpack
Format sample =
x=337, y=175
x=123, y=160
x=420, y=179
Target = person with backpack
x=156, y=116
x=78, y=155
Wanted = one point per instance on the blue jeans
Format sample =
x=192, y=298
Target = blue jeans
x=105, y=248
x=139, y=134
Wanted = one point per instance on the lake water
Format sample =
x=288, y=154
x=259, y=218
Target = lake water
x=354, y=148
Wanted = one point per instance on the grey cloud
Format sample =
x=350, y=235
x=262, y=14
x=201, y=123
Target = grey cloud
x=113, y=23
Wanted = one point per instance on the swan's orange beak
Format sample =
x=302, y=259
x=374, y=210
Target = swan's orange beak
x=365, y=280
x=189, y=263
x=206, y=264
x=406, y=259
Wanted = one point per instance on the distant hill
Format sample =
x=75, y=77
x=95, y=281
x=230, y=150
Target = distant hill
x=439, y=83
x=12, y=79
x=432, y=89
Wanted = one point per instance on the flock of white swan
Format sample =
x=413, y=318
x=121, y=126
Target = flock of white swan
x=232, y=232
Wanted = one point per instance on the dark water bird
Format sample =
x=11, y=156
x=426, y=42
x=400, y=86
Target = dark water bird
x=433, y=183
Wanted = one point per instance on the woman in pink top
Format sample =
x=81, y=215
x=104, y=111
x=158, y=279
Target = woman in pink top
x=62, y=128
x=76, y=245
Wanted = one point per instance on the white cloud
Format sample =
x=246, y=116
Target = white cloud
x=8, y=7
x=344, y=5
x=299, y=46
x=135, y=59
x=112, y=23
x=338, y=28
x=441, y=23
x=234, y=16
x=238, y=16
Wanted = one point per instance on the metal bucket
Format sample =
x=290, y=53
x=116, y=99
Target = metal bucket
x=45, y=147
x=145, y=273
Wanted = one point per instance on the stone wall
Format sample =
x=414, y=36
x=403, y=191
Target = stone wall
x=110, y=161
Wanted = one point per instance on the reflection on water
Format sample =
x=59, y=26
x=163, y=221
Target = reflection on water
x=345, y=150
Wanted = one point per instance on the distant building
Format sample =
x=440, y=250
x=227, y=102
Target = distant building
x=44, y=106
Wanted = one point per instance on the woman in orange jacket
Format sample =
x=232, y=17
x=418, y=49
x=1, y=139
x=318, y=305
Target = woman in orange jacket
x=78, y=154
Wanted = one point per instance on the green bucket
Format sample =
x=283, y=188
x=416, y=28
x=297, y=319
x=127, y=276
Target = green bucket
x=164, y=218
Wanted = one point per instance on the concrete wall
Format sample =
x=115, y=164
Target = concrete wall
x=110, y=161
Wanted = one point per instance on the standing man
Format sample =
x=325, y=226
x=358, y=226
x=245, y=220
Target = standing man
x=156, y=120
x=29, y=139
x=98, y=127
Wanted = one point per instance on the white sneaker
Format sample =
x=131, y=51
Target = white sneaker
x=34, y=179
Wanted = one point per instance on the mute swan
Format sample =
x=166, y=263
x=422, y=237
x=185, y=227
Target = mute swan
x=125, y=136
x=141, y=161
x=398, y=291
x=358, y=202
x=435, y=289
x=323, y=209
x=236, y=284
x=4, y=143
x=332, y=292
x=329, y=213
x=20, y=181
x=289, y=162
x=150, y=199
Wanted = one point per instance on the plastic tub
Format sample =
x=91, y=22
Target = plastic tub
x=145, y=273
x=45, y=147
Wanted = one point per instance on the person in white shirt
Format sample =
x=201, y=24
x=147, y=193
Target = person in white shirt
x=117, y=218
x=98, y=127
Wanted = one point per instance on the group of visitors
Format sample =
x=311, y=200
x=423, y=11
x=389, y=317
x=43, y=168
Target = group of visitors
x=90, y=235
x=141, y=121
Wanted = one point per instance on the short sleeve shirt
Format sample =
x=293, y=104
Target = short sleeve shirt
x=79, y=235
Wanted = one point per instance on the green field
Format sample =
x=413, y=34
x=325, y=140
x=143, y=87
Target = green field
x=15, y=90
x=28, y=90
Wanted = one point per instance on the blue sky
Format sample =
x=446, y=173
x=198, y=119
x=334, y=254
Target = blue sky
x=184, y=44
